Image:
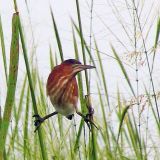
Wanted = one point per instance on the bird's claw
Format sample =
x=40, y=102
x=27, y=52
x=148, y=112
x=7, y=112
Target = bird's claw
x=89, y=122
x=88, y=115
x=37, y=122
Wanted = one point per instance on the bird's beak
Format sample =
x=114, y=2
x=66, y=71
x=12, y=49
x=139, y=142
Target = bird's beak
x=84, y=67
x=81, y=67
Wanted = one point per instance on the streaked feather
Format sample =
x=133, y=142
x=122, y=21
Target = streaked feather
x=62, y=89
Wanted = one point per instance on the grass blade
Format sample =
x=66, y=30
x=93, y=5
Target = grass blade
x=51, y=58
x=13, y=72
x=3, y=49
x=57, y=36
x=26, y=152
x=80, y=85
x=124, y=112
x=17, y=116
x=106, y=136
x=82, y=44
x=123, y=70
x=103, y=75
x=41, y=137
x=156, y=42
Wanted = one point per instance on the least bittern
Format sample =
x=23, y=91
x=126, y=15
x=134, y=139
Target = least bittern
x=62, y=90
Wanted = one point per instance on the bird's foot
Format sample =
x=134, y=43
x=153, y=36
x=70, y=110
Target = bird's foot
x=89, y=122
x=88, y=115
x=37, y=122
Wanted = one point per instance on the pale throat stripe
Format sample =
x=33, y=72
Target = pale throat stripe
x=76, y=70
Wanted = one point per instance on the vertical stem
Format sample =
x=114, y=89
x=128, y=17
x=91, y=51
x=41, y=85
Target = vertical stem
x=149, y=69
x=82, y=43
x=93, y=153
x=137, y=79
x=0, y=116
x=3, y=49
x=41, y=140
x=12, y=80
x=79, y=153
x=90, y=36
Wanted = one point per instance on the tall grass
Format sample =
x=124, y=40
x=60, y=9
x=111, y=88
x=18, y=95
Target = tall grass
x=11, y=83
x=121, y=138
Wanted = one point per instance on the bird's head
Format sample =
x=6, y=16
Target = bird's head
x=76, y=66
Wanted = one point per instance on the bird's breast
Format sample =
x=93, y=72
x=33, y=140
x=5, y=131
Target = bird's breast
x=66, y=109
x=64, y=95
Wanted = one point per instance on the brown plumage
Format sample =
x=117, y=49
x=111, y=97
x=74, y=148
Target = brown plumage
x=62, y=86
x=62, y=89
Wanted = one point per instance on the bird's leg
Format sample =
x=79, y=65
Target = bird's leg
x=39, y=120
x=91, y=112
x=86, y=119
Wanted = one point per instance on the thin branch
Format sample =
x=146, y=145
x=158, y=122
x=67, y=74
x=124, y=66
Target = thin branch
x=146, y=54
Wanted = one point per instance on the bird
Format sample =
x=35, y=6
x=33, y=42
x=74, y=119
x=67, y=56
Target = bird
x=62, y=89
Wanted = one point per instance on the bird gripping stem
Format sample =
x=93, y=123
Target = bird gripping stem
x=90, y=109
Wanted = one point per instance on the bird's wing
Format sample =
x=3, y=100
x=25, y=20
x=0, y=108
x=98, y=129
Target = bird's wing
x=70, y=94
x=53, y=78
